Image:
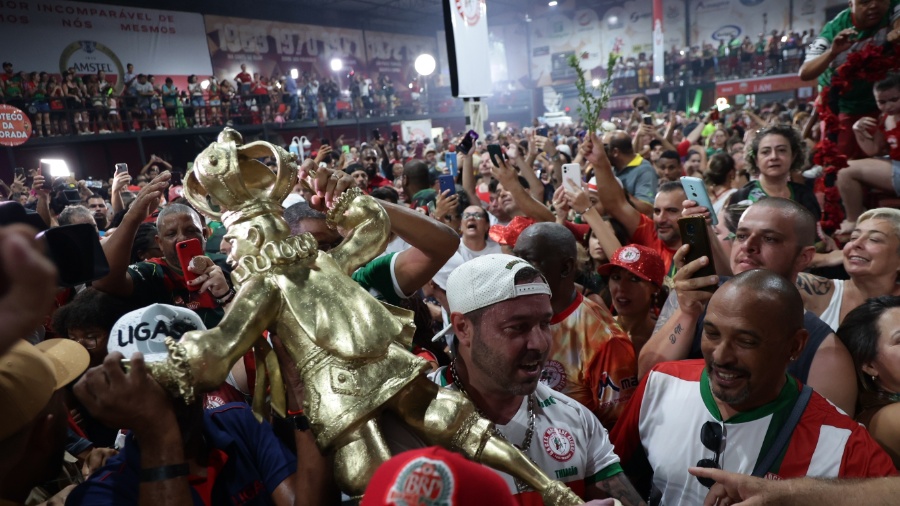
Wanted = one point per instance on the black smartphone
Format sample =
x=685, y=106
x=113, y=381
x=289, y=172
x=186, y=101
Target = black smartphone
x=543, y=131
x=395, y=136
x=19, y=171
x=466, y=144
x=496, y=153
x=120, y=168
x=48, y=179
x=376, y=134
x=695, y=233
x=648, y=119
x=325, y=142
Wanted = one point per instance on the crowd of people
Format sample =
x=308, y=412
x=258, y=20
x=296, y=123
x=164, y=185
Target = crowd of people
x=82, y=104
x=85, y=104
x=583, y=298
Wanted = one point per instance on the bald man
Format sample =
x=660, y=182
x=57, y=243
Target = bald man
x=637, y=175
x=592, y=359
x=729, y=408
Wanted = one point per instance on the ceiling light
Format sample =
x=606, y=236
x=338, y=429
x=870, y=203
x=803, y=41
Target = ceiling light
x=336, y=64
x=425, y=64
x=552, y=3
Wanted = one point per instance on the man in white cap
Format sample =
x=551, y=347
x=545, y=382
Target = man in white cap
x=500, y=311
x=33, y=424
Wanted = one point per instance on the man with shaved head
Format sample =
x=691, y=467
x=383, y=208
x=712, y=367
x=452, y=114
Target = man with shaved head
x=591, y=360
x=738, y=409
x=637, y=175
x=778, y=235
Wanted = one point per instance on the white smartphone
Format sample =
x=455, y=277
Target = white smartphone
x=571, y=174
x=695, y=190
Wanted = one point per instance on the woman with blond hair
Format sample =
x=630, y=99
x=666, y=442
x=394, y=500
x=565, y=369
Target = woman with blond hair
x=871, y=258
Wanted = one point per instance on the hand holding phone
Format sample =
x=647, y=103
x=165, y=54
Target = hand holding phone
x=186, y=251
x=695, y=233
x=448, y=184
x=571, y=173
x=123, y=167
x=695, y=189
x=496, y=153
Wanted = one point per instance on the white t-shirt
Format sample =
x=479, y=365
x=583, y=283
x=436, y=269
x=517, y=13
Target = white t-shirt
x=568, y=444
x=463, y=255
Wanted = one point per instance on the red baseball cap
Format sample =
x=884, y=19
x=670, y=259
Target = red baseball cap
x=434, y=475
x=639, y=260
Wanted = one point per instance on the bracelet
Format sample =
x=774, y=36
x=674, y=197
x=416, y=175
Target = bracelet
x=164, y=472
x=225, y=299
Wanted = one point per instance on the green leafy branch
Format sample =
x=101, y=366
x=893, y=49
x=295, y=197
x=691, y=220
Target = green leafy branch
x=590, y=105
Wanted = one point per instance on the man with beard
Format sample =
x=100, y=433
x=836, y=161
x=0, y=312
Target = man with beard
x=592, y=359
x=775, y=234
x=501, y=312
x=659, y=233
x=369, y=160
x=98, y=206
x=738, y=409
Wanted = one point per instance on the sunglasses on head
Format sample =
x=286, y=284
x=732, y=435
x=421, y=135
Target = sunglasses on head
x=712, y=435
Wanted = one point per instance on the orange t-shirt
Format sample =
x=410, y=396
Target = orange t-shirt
x=591, y=360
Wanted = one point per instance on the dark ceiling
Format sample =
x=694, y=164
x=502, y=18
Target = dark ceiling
x=423, y=17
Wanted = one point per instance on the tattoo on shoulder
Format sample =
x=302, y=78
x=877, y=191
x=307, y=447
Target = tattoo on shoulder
x=814, y=285
x=618, y=487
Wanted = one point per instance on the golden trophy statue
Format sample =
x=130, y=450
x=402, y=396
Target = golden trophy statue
x=349, y=349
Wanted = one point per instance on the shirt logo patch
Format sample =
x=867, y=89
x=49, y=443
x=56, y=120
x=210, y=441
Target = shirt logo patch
x=559, y=444
x=607, y=382
x=422, y=482
x=554, y=375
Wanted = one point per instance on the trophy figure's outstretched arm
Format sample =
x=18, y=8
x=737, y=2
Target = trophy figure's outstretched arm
x=202, y=358
x=369, y=228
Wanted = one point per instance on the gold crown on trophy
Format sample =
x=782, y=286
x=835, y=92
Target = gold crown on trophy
x=230, y=174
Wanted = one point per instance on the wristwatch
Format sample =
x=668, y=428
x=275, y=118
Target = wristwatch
x=225, y=299
x=298, y=422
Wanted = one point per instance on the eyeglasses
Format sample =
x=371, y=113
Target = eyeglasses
x=472, y=216
x=713, y=436
x=89, y=341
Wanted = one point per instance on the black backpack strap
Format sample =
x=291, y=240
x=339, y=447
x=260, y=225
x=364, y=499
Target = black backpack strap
x=764, y=464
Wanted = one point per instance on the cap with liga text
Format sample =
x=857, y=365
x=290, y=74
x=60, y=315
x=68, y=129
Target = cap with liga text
x=435, y=476
x=487, y=280
x=30, y=374
x=146, y=329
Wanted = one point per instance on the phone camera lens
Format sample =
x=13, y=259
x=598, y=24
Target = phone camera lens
x=691, y=228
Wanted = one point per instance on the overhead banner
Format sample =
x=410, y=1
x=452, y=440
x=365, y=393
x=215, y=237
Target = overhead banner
x=592, y=34
x=659, y=42
x=53, y=35
x=721, y=20
x=274, y=48
x=467, y=47
x=760, y=85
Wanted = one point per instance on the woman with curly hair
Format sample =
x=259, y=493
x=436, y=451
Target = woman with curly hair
x=776, y=152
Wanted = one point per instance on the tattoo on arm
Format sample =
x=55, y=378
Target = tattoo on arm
x=813, y=285
x=674, y=335
x=618, y=487
x=667, y=311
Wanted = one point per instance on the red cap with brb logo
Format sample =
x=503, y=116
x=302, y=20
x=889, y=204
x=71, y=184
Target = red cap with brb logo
x=435, y=476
